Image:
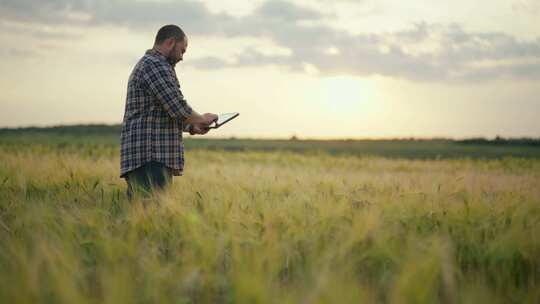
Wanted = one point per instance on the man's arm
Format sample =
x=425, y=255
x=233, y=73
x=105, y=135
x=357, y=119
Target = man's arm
x=165, y=87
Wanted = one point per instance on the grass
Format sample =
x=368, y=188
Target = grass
x=267, y=226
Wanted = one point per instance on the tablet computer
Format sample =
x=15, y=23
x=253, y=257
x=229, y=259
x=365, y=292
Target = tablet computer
x=223, y=119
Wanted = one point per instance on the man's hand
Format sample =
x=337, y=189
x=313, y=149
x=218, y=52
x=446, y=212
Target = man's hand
x=205, y=120
x=198, y=129
x=210, y=118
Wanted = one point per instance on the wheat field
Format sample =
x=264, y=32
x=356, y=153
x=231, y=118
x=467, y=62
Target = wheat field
x=268, y=227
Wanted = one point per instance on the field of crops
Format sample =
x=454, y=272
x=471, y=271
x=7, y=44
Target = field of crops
x=269, y=226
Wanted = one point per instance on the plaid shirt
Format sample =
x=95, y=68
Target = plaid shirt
x=154, y=115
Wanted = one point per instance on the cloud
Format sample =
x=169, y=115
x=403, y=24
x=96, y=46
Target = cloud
x=424, y=52
x=209, y=63
x=15, y=52
x=45, y=11
x=35, y=31
x=134, y=14
x=286, y=11
x=526, y=6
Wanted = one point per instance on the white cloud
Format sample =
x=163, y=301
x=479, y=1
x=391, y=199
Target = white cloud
x=425, y=51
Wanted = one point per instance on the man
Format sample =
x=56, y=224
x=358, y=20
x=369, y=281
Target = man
x=155, y=115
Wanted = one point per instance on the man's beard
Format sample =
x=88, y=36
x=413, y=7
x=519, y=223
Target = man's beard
x=172, y=61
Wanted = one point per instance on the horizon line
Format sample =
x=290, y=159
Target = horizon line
x=290, y=137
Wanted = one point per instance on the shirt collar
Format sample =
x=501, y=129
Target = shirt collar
x=157, y=54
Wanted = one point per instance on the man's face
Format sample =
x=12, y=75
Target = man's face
x=177, y=51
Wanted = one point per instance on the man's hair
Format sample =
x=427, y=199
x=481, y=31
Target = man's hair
x=169, y=31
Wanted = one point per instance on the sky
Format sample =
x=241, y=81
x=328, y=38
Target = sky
x=309, y=68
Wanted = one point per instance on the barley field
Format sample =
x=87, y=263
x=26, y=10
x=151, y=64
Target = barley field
x=267, y=226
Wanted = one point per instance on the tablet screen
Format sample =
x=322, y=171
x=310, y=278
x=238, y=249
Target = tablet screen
x=223, y=118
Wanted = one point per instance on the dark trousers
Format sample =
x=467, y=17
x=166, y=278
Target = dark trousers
x=147, y=179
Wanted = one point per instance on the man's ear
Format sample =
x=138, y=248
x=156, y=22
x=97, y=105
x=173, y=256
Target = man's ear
x=169, y=42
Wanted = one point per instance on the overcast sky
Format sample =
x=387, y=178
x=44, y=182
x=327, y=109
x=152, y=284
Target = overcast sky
x=311, y=68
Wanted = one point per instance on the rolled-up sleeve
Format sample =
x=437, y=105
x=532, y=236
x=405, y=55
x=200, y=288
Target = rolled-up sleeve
x=163, y=84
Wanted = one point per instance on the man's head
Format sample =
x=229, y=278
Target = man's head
x=172, y=42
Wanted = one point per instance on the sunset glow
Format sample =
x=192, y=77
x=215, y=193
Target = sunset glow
x=453, y=73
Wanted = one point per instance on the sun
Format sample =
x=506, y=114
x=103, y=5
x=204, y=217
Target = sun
x=342, y=93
